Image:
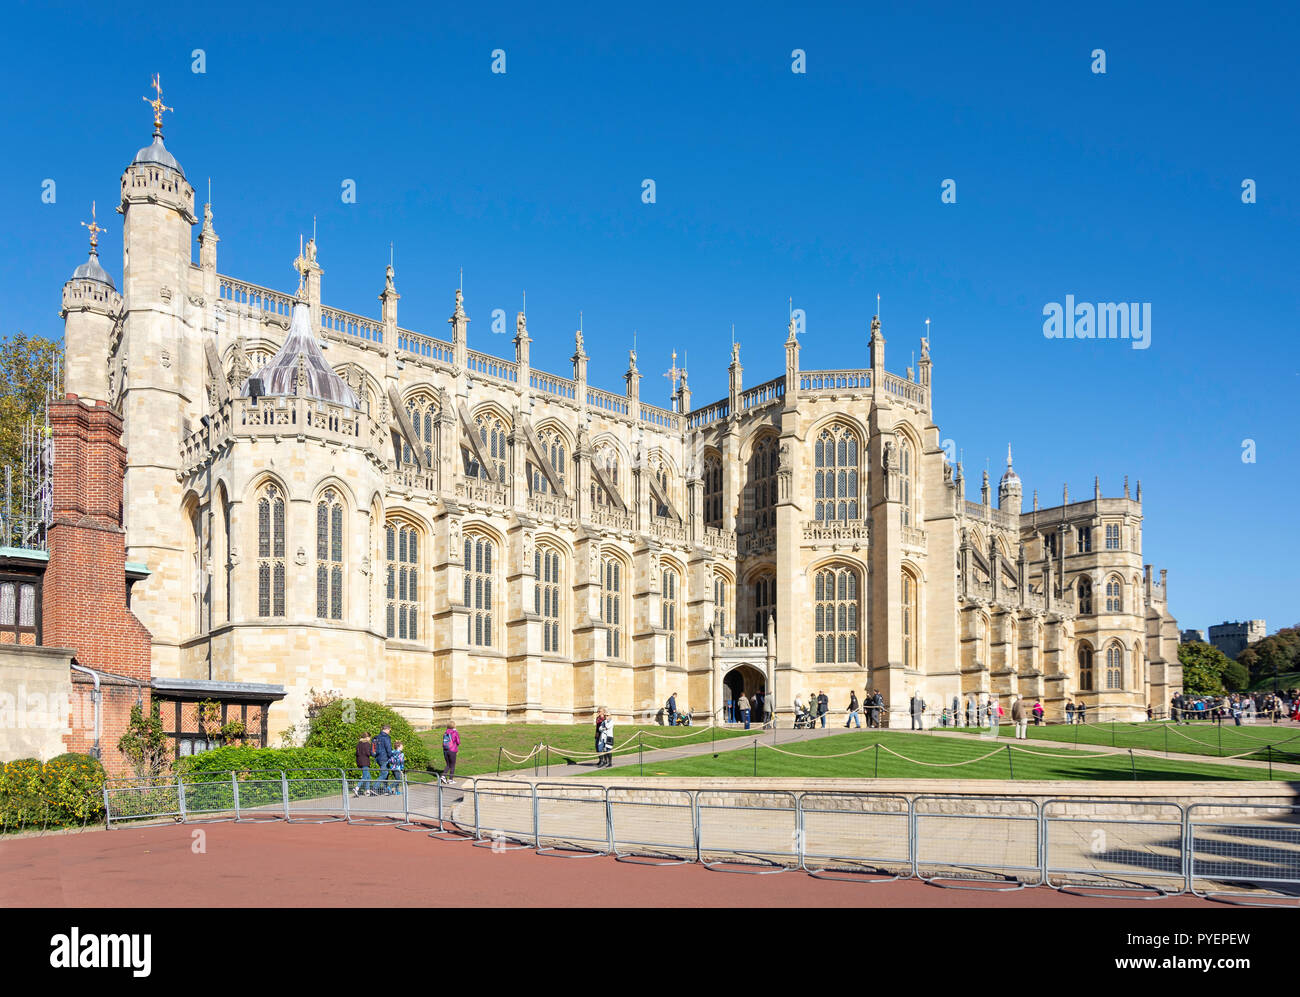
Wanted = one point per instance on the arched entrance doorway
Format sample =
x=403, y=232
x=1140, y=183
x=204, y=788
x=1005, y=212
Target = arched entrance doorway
x=746, y=679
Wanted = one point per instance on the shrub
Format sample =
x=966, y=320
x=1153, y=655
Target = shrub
x=144, y=743
x=67, y=791
x=201, y=767
x=339, y=725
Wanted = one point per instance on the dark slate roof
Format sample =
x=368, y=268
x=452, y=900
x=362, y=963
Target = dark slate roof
x=279, y=375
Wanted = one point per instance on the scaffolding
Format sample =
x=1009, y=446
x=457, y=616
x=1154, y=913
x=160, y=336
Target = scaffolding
x=29, y=501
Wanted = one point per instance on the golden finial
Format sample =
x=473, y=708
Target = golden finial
x=157, y=104
x=95, y=228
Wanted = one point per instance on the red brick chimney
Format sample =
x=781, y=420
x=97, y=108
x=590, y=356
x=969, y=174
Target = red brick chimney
x=84, y=601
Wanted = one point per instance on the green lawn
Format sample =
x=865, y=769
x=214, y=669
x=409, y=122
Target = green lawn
x=1198, y=738
x=1063, y=763
x=480, y=744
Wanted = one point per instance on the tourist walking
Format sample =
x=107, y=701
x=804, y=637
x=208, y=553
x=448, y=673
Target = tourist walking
x=1081, y=712
x=1038, y=713
x=672, y=710
x=383, y=751
x=823, y=706
x=853, y=710
x=742, y=707
x=918, y=712
x=879, y=709
x=758, y=707
x=450, y=745
x=1019, y=719
x=993, y=714
x=365, y=752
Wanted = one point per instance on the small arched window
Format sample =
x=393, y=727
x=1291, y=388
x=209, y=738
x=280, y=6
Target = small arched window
x=494, y=437
x=606, y=458
x=1114, y=595
x=906, y=482
x=1114, y=667
x=911, y=633
x=1085, y=596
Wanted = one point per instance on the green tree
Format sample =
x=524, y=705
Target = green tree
x=1280, y=650
x=1203, y=667
x=1235, y=676
x=27, y=367
x=144, y=743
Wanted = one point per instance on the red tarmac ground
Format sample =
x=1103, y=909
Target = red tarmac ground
x=337, y=865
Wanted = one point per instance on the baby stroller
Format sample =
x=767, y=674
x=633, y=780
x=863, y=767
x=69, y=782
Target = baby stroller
x=683, y=720
x=803, y=720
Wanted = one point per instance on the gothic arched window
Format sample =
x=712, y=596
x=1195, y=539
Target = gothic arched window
x=547, y=564
x=721, y=592
x=1085, y=596
x=1114, y=595
x=764, y=602
x=552, y=444
x=329, y=555
x=423, y=411
x=607, y=459
x=492, y=433
x=836, y=616
x=911, y=634
x=611, y=605
x=835, y=481
x=479, y=552
x=906, y=481
x=1085, y=666
x=713, y=491
x=1114, y=667
x=762, y=482
x=402, y=587
x=670, y=609
x=270, y=552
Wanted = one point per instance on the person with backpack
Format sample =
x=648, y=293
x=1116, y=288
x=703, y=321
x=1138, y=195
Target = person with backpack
x=823, y=706
x=672, y=710
x=365, y=752
x=450, y=745
x=742, y=709
x=397, y=765
x=853, y=710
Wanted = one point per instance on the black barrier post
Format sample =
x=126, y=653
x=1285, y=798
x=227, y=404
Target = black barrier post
x=640, y=756
x=1077, y=725
x=1166, y=740
x=876, y=775
x=1010, y=765
x=1270, y=761
x=1133, y=762
x=1220, y=740
x=537, y=752
x=755, y=756
x=548, y=759
x=499, y=749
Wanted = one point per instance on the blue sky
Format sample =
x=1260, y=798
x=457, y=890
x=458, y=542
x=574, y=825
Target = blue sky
x=823, y=186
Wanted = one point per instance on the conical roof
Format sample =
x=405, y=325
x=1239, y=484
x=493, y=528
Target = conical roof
x=279, y=375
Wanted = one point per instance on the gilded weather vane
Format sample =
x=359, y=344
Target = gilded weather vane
x=157, y=104
x=95, y=228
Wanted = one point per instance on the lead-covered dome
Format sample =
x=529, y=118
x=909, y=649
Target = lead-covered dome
x=156, y=154
x=301, y=354
x=91, y=270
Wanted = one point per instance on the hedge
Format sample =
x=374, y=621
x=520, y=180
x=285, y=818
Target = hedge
x=206, y=776
x=66, y=791
x=329, y=730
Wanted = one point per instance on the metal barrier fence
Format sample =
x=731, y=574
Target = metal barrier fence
x=1233, y=852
